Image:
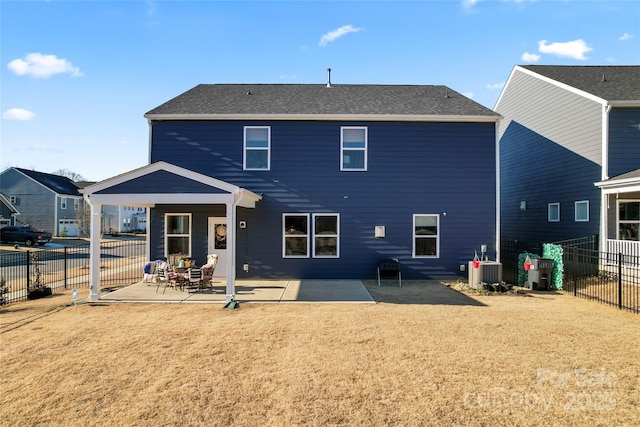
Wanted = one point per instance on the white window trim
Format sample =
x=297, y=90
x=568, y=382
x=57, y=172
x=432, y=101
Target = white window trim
x=63, y=203
x=245, y=148
x=12, y=200
x=365, y=149
x=284, y=235
x=628, y=221
x=337, y=235
x=413, y=239
x=167, y=235
x=578, y=202
x=76, y=204
x=549, y=206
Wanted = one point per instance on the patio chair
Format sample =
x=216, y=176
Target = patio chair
x=194, y=279
x=209, y=268
x=389, y=267
x=162, y=278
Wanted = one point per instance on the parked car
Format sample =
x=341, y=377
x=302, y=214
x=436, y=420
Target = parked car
x=26, y=235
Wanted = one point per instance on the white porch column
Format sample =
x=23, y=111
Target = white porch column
x=231, y=251
x=94, y=255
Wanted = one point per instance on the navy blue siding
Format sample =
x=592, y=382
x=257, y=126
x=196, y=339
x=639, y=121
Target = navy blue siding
x=199, y=225
x=534, y=169
x=624, y=140
x=161, y=182
x=413, y=168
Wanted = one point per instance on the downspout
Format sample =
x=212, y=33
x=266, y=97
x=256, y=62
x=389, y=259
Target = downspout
x=604, y=217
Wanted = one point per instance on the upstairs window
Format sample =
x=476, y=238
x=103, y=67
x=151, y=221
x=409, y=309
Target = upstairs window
x=76, y=204
x=426, y=236
x=257, y=148
x=353, y=148
x=553, y=214
x=629, y=220
x=63, y=203
x=582, y=211
x=177, y=234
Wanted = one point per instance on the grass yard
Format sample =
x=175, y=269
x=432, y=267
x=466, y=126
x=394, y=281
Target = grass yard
x=410, y=360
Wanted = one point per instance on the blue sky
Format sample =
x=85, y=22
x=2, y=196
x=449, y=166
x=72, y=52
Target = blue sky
x=78, y=76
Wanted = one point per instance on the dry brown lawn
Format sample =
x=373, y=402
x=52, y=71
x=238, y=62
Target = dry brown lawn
x=410, y=360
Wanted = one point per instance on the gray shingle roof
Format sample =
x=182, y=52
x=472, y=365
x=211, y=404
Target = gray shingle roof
x=316, y=99
x=58, y=184
x=621, y=83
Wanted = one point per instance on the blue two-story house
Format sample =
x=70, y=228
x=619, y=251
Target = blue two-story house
x=317, y=181
x=570, y=155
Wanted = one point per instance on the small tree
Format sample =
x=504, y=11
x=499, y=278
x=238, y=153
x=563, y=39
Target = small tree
x=73, y=176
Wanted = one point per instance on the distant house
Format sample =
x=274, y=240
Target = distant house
x=47, y=202
x=570, y=154
x=316, y=181
x=8, y=212
x=123, y=219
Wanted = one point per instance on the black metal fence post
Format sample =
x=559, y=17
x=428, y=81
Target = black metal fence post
x=28, y=264
x=575, y=272
x=620, y=280
x=65, y=267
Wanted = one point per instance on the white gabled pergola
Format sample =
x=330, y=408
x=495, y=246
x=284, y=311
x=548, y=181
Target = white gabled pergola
x=122, y=191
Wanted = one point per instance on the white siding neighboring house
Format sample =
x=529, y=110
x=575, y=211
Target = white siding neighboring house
x=123, y=219
x=570, y=154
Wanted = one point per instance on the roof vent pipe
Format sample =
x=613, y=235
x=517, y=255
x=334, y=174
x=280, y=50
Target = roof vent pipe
x=328, y=77
x=604, y=78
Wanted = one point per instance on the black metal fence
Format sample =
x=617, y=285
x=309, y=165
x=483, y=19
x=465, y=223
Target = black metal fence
x=24, y=272
x=610, y=278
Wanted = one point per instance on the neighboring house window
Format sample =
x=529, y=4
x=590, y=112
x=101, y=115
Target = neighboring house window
x=177, y=234
x=326, y=235
x=257, y=148
x=629, y=220
x=554, y=212
x=63, y=203
x=582, y=211
x=76, y=204
x=295, y=235
x=12, y=199
x=353, y=148
x=426, y=236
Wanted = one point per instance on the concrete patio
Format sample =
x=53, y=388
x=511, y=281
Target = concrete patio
x=256, y=291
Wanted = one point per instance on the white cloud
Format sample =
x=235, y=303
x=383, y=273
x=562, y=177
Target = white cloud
x=496, y=85
x=335, y=34
x=42, y=66
x=626, y=36
x=574, y=49
x=468, y=4
x=530, y=57
x=468, y=94
x=18, y=114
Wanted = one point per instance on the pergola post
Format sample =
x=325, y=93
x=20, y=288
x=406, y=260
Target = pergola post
x=231, y=252
x=94, y=249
